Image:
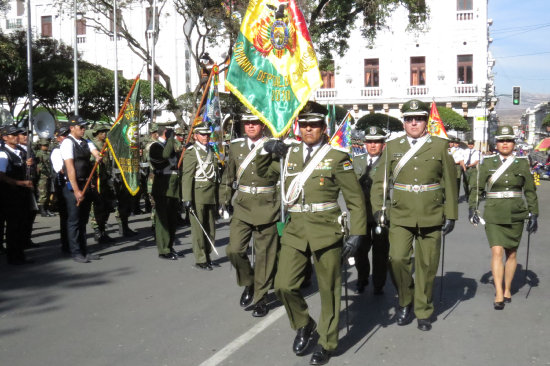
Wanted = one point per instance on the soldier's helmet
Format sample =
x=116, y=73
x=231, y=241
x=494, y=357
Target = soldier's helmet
x=505, y=132
x=470, y=142
x=313, y=112
x=43, y=142
x=374, y=133
x=153, y=127
x=101, y=126
x=76, y=120
x=415, y=107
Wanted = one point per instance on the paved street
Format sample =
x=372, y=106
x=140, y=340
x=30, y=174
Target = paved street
x=131, y=308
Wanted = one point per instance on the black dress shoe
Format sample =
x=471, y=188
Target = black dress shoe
x=203, y=266
x=180, y=254
x=213, y=264
x=320, y=356
x=359, y=288
x=247, y=296
x=424, y=324
x=378, y=291
x=507, y=300
x=260, y=308
x=303, y=338
x=498, y=305
x=169, y=256
x=404, y=315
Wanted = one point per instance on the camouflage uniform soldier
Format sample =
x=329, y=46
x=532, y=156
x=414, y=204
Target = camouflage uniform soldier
x=104, y=203
x=44, y=177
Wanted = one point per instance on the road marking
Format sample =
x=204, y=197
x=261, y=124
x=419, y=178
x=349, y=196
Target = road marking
x=225, y=352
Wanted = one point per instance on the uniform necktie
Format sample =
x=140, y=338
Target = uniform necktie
x=308, y=156
x=252, y=147
x=413, y=141
x=370, y=162
x=504, y=160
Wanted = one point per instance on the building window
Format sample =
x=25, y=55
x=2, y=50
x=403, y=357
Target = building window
x=46, y=26
x=465, y=69
x=81, y=27
x=112, y=20
x=418, y=70
x=372, y=69
x=464, y=5
x=20, y=8
x=328, y=79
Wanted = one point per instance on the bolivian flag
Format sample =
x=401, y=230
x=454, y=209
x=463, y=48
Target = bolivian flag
x=435, y=124
x=273, y=68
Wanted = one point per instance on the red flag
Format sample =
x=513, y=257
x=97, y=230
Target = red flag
x=435, y=125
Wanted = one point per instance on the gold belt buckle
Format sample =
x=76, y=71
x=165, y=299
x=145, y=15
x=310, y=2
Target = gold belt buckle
x=253, y=190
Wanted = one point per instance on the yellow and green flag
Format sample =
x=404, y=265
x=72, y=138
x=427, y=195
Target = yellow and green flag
x=123, y=140
x=274, y=68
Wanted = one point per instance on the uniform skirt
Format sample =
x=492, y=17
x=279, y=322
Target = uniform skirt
x=504, y=235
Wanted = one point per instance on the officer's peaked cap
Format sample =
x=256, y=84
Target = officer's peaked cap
x=415, y=107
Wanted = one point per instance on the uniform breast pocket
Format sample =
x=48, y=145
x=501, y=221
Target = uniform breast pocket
x=433, y=164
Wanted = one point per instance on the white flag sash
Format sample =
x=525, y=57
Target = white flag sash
x=501, y=169
x=408, y=155
x=297, y=184
x=251, y=155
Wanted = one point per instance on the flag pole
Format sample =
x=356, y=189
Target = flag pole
x=192, y=125
x=105, y=144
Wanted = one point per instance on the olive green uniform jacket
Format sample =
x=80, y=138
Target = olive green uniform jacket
x=431, y=164
x=516, y=178
x=255, y=209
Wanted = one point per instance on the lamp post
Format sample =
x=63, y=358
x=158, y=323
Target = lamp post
x=115, y=33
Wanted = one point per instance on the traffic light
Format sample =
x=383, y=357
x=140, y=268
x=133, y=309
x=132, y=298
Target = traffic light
x=516, y=95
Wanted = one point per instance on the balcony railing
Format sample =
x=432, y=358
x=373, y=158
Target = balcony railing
x=465, y=15
x=14, y=23
x=80, y=39
x=112, y=37
x=418, y=90
x=371, y=92
x=465, y=89
x=326, y=94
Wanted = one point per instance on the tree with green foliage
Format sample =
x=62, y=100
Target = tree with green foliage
x=379, y=120
x=13, y=69
x=546, y=121
x=99, y=16
x=452, y=120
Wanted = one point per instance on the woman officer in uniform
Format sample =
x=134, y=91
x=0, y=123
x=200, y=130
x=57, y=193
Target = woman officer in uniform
x=507, y=180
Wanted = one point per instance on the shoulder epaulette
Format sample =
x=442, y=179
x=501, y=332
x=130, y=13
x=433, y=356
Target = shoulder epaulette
x=191, y=147
x=489, y=156
x=360, y=156
x=291, y=141
x=521, y=157
x=240, y=139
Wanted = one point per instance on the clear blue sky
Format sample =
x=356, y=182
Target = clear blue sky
x=521, y=47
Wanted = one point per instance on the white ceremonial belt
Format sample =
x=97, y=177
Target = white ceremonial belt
x=313, y=207
x=416, y=188
x=506, y=194
x=144, y=165
x=256, y=190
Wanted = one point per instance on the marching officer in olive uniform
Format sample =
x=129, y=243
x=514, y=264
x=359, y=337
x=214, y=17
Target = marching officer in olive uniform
x=365, y=166
x=507, y=180
x=166, y=192
x=423, y=207
x=314, y=175
x=200, y=184
x=44, y=177
x=256, y=212
x=104, y=202
x=471, y=157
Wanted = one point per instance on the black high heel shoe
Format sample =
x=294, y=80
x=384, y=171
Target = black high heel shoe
x=498, y=305
x=507, y=300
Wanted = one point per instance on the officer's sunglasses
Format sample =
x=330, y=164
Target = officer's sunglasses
x=506, y=140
